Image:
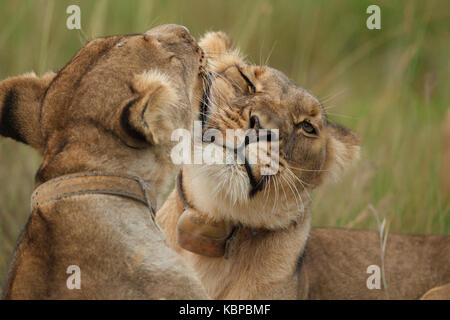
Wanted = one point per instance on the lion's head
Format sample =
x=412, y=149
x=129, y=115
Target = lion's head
x=252, y=98
x=111, y=108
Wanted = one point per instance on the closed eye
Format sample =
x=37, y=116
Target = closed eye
x=251, y=87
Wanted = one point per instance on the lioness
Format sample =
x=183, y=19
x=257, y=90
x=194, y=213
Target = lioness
x=248, y=235
x=105, y=119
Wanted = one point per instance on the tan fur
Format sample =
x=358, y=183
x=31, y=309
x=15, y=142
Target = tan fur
x=110, y=109
x=438, y=293
x=290, y=261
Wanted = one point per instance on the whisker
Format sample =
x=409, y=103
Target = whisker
x=302, y=183
x=297, y=203
x=308, y=170
x=297, y=192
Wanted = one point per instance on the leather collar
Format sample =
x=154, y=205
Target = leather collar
x=92, y=182
x=198, y=233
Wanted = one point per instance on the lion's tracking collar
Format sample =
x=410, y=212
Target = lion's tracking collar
x=95, y=183
x=201, y=235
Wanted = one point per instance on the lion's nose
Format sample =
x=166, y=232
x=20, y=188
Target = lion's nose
x=180, y=30
x=164, y=31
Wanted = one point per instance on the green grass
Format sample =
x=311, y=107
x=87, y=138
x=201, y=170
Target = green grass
x=391, y=86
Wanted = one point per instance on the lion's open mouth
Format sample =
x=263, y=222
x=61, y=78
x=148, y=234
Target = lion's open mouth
x=256, y=185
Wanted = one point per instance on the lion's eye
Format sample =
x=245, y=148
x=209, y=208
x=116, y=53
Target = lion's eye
x=250, y=86
x=308, y=127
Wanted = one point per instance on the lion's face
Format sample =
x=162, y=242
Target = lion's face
x=128, y=84
x=254, y=98
x=115, y=100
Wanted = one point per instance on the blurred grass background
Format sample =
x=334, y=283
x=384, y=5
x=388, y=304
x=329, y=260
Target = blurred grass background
x=391, y=86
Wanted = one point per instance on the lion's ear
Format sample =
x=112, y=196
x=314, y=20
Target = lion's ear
x=148, y=117
x=219, y=52
x=215, y=43
x=343, y=150
x=20, y=100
